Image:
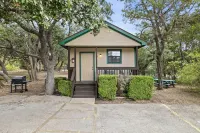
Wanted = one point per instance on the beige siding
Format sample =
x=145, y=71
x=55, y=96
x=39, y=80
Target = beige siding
x=128, y=58
x=78, y=50
x=106, y=37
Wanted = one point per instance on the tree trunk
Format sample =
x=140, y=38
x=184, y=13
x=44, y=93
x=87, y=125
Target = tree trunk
x=33, y=68
x=57, y=63
x=61, y=66
x=181, y=54
x=4, y=76
x=39, y=66
x=159, y=71
x=47, y=58
x=159, y=54
x=49, y=82
x=3, y=67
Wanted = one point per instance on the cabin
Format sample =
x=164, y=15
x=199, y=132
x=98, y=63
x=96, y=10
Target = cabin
x=112, y=51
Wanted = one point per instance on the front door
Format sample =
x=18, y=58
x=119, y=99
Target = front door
x=87, y=66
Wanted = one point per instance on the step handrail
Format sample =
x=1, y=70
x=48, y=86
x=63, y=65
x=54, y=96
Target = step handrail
x=73, y=81
x=96, y=86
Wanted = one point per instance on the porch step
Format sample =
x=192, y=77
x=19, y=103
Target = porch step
x=83, y=96
x=84, y=90
x=85, y=83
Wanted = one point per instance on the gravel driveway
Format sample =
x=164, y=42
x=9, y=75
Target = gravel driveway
x=55, y=114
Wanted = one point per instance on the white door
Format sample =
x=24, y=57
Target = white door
x=86, y=66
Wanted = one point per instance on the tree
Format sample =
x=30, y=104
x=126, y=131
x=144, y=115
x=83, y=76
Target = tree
x=145, y=58
x=16, y=44
x=39, y=17
x=62, y=54
x=190, y=73
x=182, y=43
x=161, y=17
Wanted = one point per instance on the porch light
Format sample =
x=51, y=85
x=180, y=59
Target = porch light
x=100, y=55
x=72, y=60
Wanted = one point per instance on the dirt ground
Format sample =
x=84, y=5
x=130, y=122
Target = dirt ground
x=34, y=88
x=178, y=95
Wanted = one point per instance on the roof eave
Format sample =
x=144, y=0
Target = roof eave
x=111, y=26
x=74, y=36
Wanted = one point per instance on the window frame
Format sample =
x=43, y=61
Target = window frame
x=120, y=50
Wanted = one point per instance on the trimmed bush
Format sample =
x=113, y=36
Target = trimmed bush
x=140, y=88
x=107, y=86
x=64, y=87
x=57, y=79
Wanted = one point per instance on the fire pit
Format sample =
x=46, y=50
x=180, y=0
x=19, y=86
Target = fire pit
x=19, y=81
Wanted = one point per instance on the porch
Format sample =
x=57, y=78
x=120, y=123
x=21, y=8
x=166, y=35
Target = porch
x=84, y=68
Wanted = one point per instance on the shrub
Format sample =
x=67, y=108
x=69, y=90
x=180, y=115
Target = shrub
x=123, y=83
x=64, y=87
x=140, y=88
x=12, y=67
x=107, y=86
x=57, y=79
x=190, y=74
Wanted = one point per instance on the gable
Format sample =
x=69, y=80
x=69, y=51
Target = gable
x=108, y=36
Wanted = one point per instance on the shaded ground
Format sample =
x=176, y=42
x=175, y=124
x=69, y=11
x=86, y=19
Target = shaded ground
x=34, y=88
x=178, y=95
x=56, y=114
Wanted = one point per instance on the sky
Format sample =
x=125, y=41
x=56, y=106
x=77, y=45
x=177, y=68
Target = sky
x=117, y=18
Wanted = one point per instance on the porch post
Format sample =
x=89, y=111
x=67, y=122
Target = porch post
x=68, y=66
x=96, y=63
x=137, y=60
x=96, y=88
x=75, y=61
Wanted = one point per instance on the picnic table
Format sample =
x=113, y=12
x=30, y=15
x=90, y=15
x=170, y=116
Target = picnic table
x=166, y=83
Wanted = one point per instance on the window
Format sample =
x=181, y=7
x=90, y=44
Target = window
x=114, y=56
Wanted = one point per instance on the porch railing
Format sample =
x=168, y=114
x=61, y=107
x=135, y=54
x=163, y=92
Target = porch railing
x=96, y=86
x=73, y=81
x=117, y=70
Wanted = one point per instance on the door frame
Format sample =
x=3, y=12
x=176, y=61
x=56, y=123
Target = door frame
x=94, y=66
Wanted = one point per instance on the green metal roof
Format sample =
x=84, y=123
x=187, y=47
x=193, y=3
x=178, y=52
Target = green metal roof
x=111, y=26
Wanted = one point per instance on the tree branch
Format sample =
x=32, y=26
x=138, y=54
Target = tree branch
x=53, y=24
x=21, y=52
x=26, y=27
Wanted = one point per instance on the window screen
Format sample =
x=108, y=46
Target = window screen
x=114, y=56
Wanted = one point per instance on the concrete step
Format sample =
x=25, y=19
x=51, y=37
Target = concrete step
x=83, y=96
